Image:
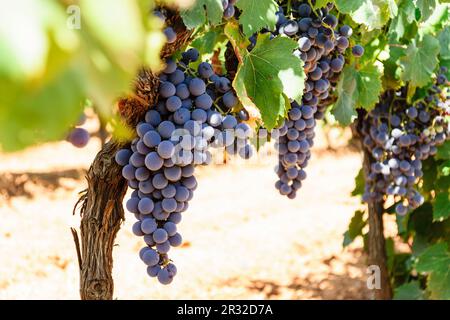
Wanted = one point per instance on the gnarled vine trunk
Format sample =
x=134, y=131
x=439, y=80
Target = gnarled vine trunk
x=101, y=203
x=376, y=244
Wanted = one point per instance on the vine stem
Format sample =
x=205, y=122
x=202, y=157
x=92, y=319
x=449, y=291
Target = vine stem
x=377, y=244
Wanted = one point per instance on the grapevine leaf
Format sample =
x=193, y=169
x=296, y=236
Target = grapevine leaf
x=420, y=61
x=369, y=86
x=372, y=13
x=403, y=22
x=357, y=88
x=444, y=168
x=201, y=12
x=436, y=22
x=441, y=207
x=426, y=8
x=239, y=42
x=359, y=184
x=355, y=227
x=393, y=8
x=436, y=261
x=392, y=71
x=268, y=75
x=346, y=90
x=409, y=291
x=321, y=4
x=444, y=151
x=257, y=14
x=446, y=63
x=208, y=41
x=444, y=40
x=346, y=6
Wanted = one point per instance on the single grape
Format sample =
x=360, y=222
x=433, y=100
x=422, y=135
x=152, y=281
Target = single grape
x=159, y=181
x=197, y=87
x=167, y=89
x=79, y=137
x=160, y=235
x=175, y=240
x=358, y=51
x=170, y=34
x=123, y=156
x=150, y=257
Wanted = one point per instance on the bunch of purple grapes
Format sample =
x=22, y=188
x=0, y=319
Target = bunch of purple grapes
x=399, y=137
x=321, y=46
x=193, y=113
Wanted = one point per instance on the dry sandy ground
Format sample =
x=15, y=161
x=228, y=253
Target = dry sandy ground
x=242, y=239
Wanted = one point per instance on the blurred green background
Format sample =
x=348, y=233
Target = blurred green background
x=56, y=55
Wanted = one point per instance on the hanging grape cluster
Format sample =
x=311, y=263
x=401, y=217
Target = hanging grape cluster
x=399, y=137
x=193, y=113
x=322, y=45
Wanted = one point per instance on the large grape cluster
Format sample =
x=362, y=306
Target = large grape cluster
x=399, y=137
x=321, y=46
x=193, y=113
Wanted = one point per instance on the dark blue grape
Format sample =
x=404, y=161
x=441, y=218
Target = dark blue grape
x=170, y=34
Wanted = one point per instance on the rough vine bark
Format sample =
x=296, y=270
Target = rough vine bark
x=101, y=203
x=376, y=244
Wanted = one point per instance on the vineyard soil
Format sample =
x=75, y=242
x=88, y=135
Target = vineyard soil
x=242, y=239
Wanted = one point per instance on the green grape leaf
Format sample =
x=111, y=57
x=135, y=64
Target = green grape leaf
x=420, y=61
x=444, y=151
x=203, y=11
x=359, y=184
x=268, y=75
x=444, y=40
x=207, y=42
x=356, y=88
x=369, y=86
x=372, y=13
x=445, y=63
x=436, y=22
x=257, y=14
x=346, y=91
x=355, y=227
x=402, y=23
x=444, y=168
x=321, y=4
x=436, y=261
x=426, y=8
x=345, y=6
x=409, y=291
x=441, y=206
x=393, y=8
